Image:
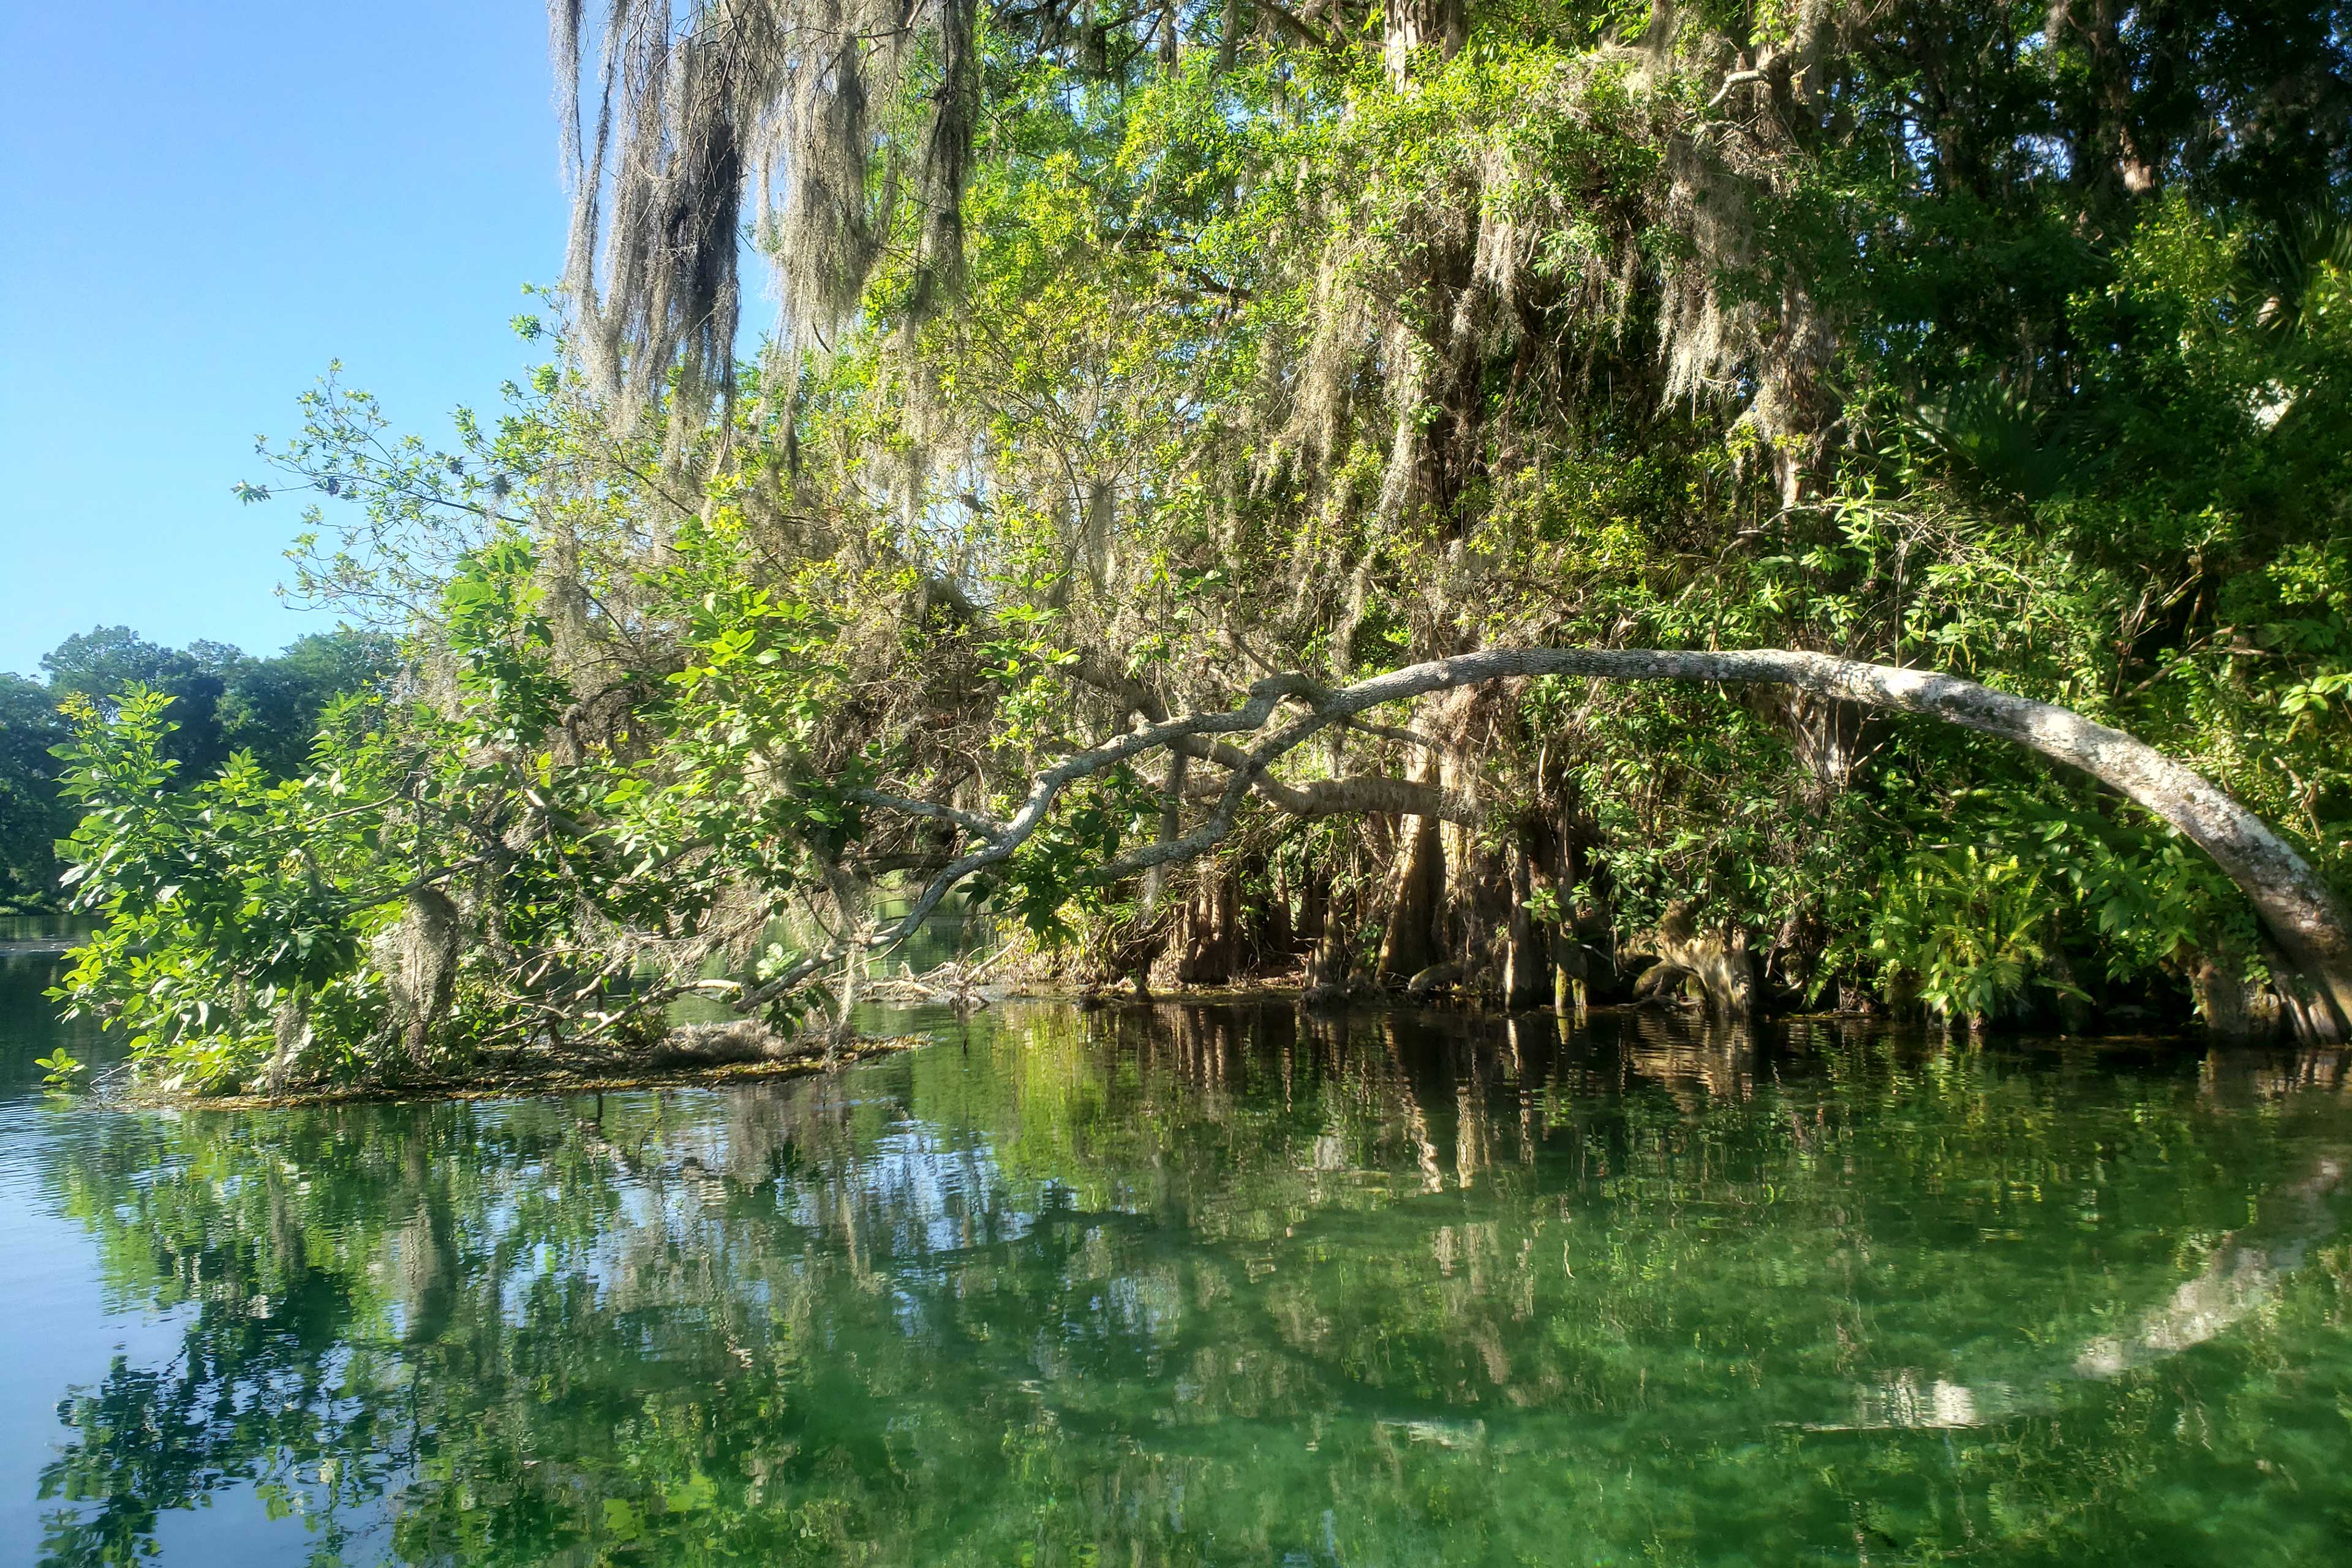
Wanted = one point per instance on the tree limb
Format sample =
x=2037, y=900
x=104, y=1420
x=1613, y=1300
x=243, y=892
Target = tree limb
x=2303, y=914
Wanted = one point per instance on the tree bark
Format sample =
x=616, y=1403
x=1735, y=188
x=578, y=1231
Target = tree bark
x=1207, y=940
x=1408, y=946
x=1408, y=24
x=1314, y=909
x=1526, y=959
x=2221, y=998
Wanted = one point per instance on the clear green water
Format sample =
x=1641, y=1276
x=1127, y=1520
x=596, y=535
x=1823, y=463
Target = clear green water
x=1214, y=1286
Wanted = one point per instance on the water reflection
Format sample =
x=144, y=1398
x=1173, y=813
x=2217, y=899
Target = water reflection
x=1189, y=1285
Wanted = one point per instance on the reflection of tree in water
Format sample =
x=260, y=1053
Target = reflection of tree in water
x=1173, y=1284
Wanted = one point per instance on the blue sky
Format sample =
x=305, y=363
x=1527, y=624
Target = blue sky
x=202, y=205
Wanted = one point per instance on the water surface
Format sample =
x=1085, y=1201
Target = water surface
x=1185, y=1285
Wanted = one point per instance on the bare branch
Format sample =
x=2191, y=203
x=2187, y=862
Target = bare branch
x=979, y=827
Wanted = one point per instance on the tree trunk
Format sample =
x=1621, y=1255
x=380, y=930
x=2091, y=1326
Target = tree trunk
x=1717, y=961
x=1262, y=932
x=849, y=906
x=419, y=960
x=1526, y=957
x=1229, y=38
x=1314, y=909
x=1171, y=821
x=1408, y=24
x=1206, y=938
x=2222, y=998
x=1327, y=965
x=1571, y=977
x=1274, y=941
x=291, y=1025
x=1406, y=949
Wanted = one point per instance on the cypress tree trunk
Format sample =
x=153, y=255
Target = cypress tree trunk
x=1419, y=881
x=1527, y=958
x=1314, y=909
x=1208, y=937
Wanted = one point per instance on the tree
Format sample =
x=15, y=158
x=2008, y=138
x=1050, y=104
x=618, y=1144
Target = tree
x=273, y=706
x=1973, y=292
x=32, y=815
x=102, y=663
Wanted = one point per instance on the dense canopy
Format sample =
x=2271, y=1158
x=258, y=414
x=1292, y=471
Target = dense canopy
x=1131, y=360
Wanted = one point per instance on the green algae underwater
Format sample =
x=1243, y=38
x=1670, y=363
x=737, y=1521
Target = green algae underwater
x=1186, y=1284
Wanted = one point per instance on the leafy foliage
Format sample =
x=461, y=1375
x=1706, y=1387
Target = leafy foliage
x=33, y=816
x=1954, y=336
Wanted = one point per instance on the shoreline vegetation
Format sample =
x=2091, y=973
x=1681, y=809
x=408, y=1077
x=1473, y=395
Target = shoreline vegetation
x=1579, y=507
x=708, y=1056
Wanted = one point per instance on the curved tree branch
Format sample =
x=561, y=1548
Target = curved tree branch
x=977, y=826
x=2303, y=914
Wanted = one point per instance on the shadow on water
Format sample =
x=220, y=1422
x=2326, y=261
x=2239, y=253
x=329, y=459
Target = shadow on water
x=1244, y=1284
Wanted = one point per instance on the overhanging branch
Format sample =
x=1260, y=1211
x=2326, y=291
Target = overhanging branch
x=2302, y=911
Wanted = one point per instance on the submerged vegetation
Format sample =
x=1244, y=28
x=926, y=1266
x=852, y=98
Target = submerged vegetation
x=1147, y=385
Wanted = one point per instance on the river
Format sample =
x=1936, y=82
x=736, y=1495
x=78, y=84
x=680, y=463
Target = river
x=1201, y=1285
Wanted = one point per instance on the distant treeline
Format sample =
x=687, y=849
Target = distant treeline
x=222, y=699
